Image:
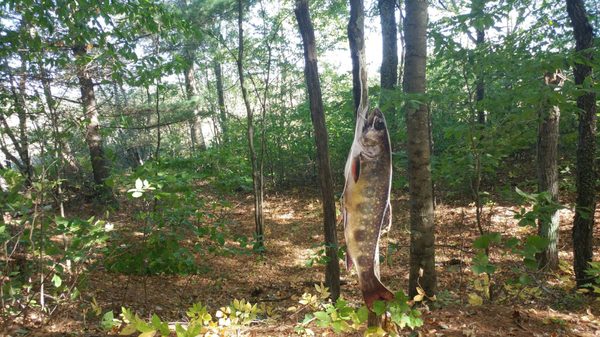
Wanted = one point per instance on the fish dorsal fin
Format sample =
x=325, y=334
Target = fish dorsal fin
x=356, y=168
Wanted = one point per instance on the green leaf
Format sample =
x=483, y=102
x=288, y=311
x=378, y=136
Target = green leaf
x=148, y=334
x=481, y=264
x=322, y=316
x=484, y=241
x=307, y=319
x=108, y=321
x=156, y=322
x=180, y=331
x=538, y=242
x=363, y=314
x=128, y=330
x=339, y=326
x=511, y=243
x=379, y=308
x=56, y=280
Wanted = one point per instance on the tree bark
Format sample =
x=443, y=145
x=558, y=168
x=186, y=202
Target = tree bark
x=583, y=224
x=477, y=10
x=221, y=100
x=480, y=86
x=389, y=62
x=311, y=73
x=422, y=238
x=93, y=137
x=547, y=171
x=20, y=142
x=256, y=177
x=356, y=38
x=22, y=113
x=196, y=135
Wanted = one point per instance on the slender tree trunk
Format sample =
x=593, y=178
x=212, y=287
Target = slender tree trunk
x=58, y=141
x=157, y=103
x=402, y=42
x=356, y=38
x=196, y=134
x=317, y=113
x=480, y=86
x=93, y=137
x=21, y=143
x=256, y=178
x=221, y=100
x=583, y=224
x=477, y=10
x=389, y=62
x=422, y=250
x=547, y=171
x=22, y=113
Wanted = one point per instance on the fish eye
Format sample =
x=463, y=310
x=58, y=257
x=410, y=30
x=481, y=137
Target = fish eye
x=379, y=124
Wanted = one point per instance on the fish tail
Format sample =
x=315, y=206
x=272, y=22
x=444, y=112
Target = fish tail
x=376, y=292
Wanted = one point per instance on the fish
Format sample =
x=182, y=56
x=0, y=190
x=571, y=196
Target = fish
x=366, y=208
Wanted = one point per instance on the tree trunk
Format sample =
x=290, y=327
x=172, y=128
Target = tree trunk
x=197, y=137
x=221, y=100
x=583, y=224
x=256, y=177
x=356, y=37
x=422, y=250
x=547, y=170
x=58, y=140
x=480, y=86
x=389, y=62
x=22, y=113
x=6, y=150
x=311, y=73
x=477, y=10
x=93, y=137
x=20, y=143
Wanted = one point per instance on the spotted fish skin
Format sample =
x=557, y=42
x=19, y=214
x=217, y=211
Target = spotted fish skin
x=366, y=202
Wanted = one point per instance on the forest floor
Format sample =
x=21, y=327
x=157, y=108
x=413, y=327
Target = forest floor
x=280, y=276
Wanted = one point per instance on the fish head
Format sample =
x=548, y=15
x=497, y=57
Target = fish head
x=374, y=138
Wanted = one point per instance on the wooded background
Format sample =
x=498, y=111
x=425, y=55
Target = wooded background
x=172, y=112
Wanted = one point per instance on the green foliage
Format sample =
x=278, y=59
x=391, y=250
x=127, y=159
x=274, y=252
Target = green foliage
x=542, y=208
x=320, y=256
x=178, y=224
x=200, y=323
x=342, y=318
x=594, y=272
x=527, y=248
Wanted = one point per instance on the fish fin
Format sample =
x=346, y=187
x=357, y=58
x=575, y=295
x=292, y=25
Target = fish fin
x=376, y=292
x=345, y=219
x=349, y=263
x=356, y=168
x=386, y=224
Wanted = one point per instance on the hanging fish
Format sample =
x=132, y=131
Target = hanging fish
x=366, y=201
